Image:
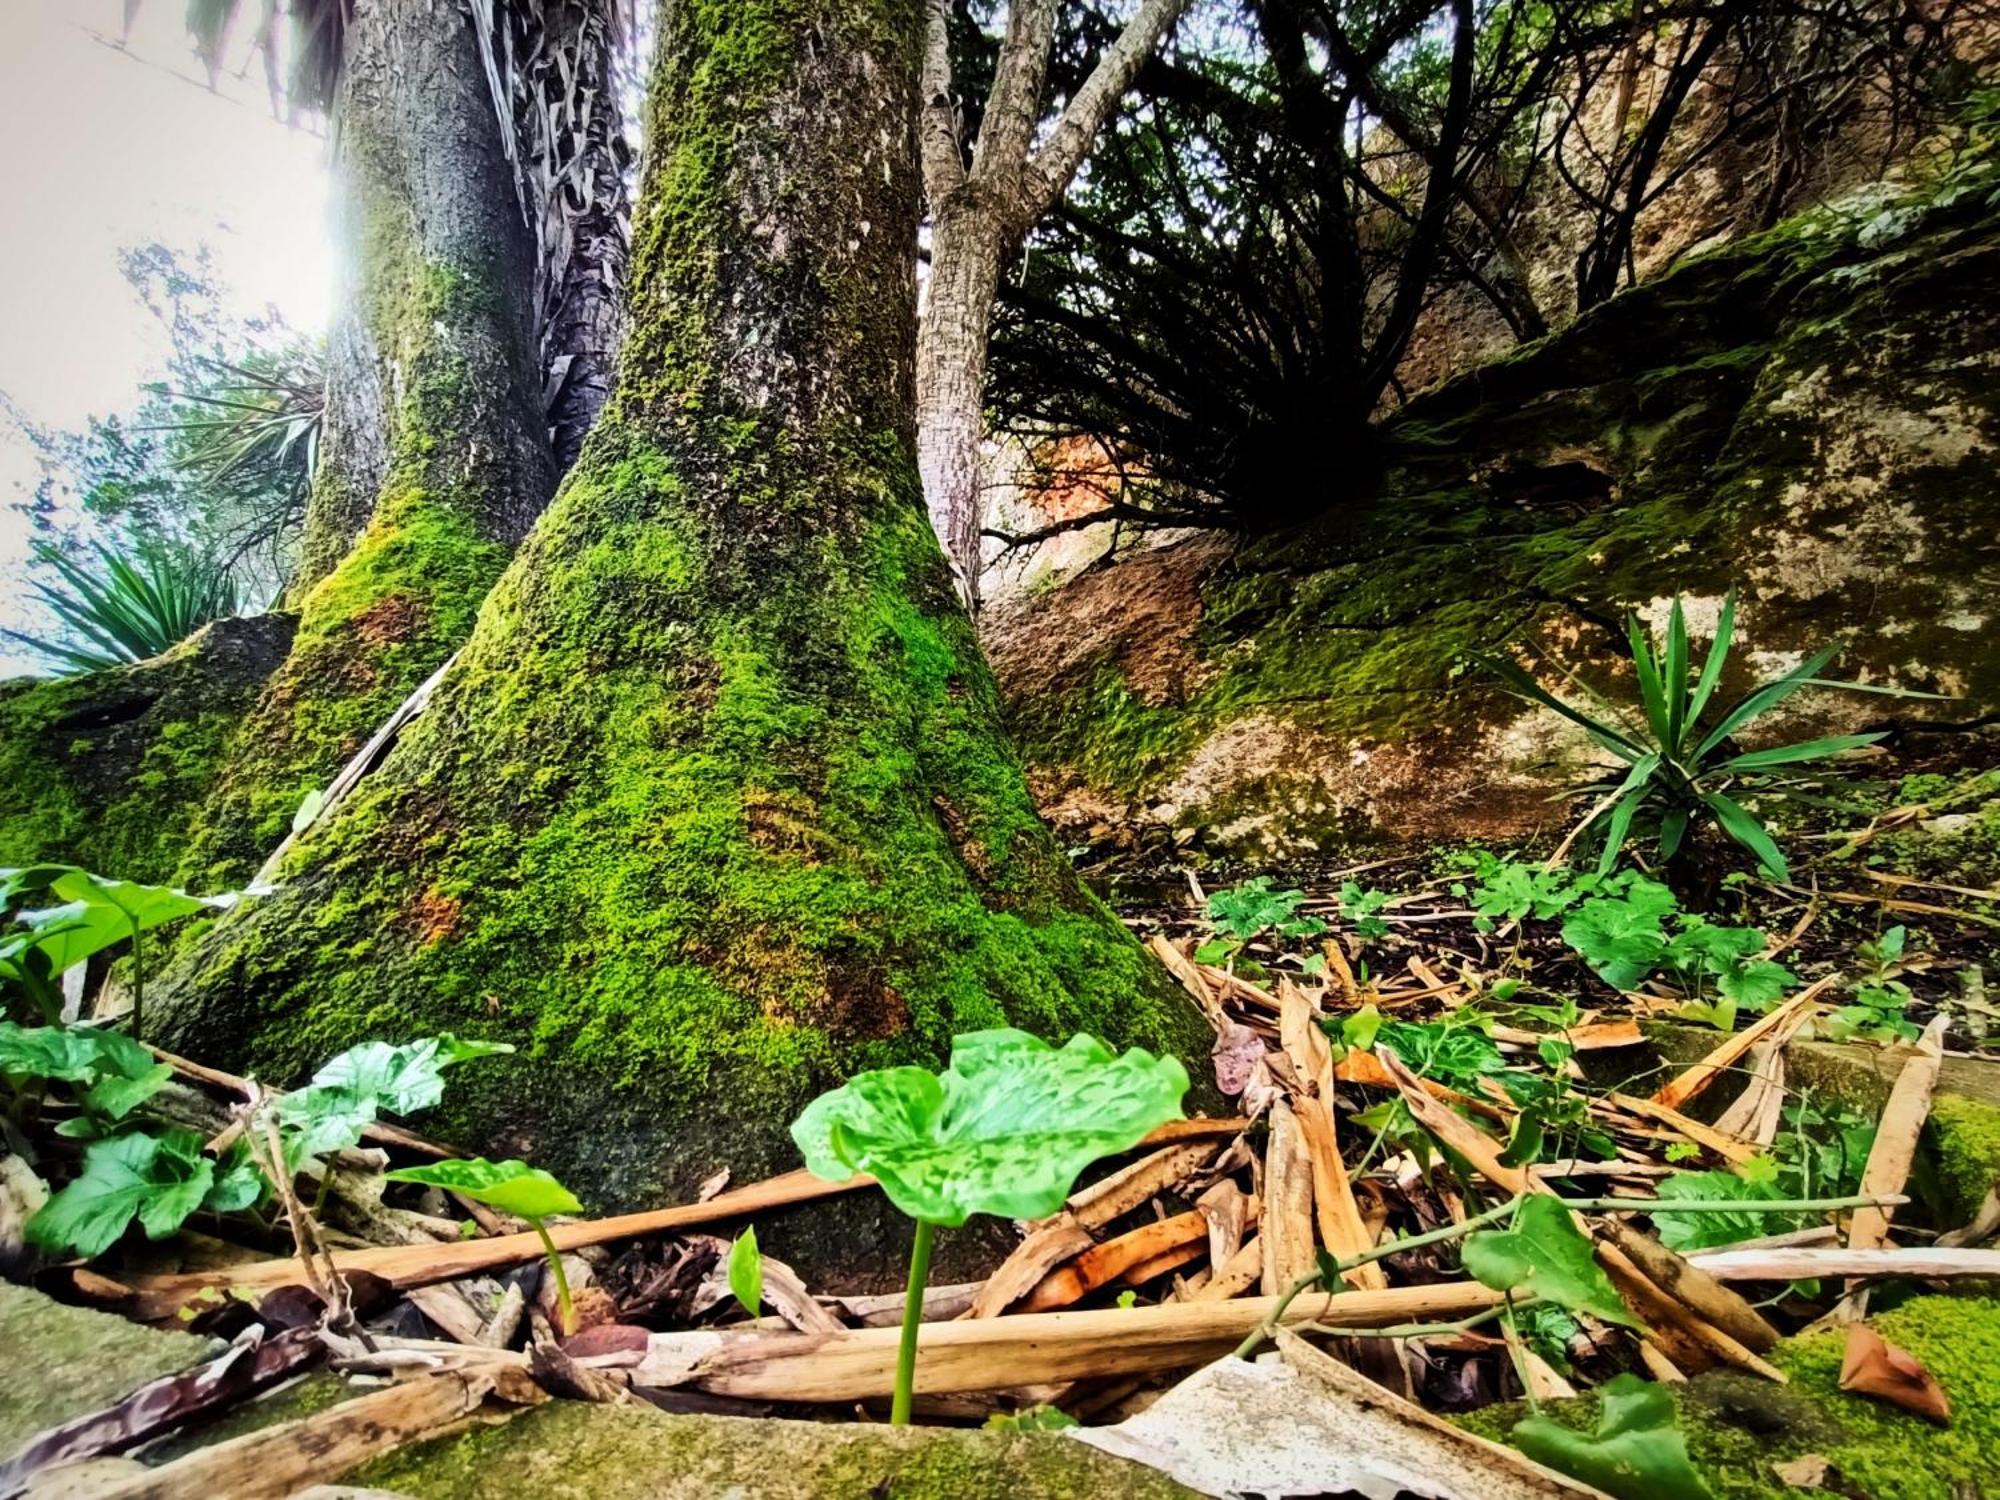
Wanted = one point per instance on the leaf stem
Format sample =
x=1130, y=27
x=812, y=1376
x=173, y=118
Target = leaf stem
x=913, y=1319
x=138, y=981
x=565, y=1307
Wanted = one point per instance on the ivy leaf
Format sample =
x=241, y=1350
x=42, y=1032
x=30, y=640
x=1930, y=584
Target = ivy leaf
x=115, y=1098
x=1005, y=1129
x=347, y=1095
x=160, y=1180
x=1544, y=1254
x=513, y=1187
x=1637, y=1453
x=239, y=1182
x=1621, y=937
x=401, y=1079
x=746, y=1271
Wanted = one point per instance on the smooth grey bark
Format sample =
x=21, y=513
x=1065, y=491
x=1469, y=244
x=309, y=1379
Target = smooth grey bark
x=980, y=213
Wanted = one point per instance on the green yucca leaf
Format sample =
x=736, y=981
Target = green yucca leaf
x=1743, y=827
x=1786, y=755
x=131, y=606
x=1652, y=692
x=1765, y=698
x=1675, y=674
x=1526, y=687
x=1712, y=664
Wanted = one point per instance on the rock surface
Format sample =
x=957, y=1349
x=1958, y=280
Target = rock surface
x=1824, y=439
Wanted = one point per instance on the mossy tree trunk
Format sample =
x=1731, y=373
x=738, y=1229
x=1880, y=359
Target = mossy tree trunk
x=714, y=806
x=436, y=456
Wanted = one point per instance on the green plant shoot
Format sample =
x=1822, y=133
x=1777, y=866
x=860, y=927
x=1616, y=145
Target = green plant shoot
x=515, y=1188
x=1005, y=1129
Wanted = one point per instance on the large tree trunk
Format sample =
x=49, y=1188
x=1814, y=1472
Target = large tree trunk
x=714, y=805
x=436, y=456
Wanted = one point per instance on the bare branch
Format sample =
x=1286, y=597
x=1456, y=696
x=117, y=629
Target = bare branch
x=937, y=122
x=1050, y=169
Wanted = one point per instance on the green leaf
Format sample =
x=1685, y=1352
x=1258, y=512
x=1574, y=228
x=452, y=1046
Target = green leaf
x=402, y=1079
x=746, y=1271
x=1545, y=1255
x=115, y=1098
x=513, y=1187
x=1525, y=686
x=239, y=1182
x=1637, y=1453
x=1034, y=1419
x=1786, y=755
x=1652, y=692
x=1622, y=937
x=113, y=1073
x=1705, y=1230
x=1525, y=1143
x=1762, y=699
x=160, y=1180
x=1742, y=826
x=1674, y=676
x=1004, y=1130
x=1711, y=667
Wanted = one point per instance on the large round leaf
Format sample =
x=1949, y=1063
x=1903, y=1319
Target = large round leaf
x=1004, y=1130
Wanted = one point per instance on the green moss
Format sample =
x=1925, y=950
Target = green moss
x=123, y=797
x=1966, y=1139
x=568, y=1449
x=67, y=1361
x=1738, y=1427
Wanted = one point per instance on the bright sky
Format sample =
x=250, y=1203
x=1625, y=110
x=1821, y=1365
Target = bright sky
x=112, y=149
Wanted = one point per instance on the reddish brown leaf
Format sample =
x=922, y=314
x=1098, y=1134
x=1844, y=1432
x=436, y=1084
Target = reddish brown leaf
x=1875, y=1367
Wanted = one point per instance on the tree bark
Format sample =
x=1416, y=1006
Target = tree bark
x=436, y=455
x=715, y=805
x=979, y=216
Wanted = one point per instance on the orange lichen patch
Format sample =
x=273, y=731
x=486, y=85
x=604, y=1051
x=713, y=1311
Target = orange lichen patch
x=434, y=916
x=391, y=619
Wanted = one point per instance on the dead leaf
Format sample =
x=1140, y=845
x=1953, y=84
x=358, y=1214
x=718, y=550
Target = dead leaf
x=710, y=1186
x=1804, y=1473
x=1236, y=1053
x=1875, y=1367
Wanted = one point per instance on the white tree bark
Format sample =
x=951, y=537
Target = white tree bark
x=979, y=214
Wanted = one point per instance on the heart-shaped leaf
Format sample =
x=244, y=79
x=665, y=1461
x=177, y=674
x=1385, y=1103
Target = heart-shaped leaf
x=115, y=1073
x=1005, y=1129
x=513, y=1187
x=347, y=1094
x=1636, y=1453
x=1545, y=1255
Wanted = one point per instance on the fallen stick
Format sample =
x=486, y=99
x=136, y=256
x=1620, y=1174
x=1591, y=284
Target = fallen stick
x=1102, y=1264
x=404, y=1266
x=1692, y=1080
x=1895, y=1150
x=329, y=1445
x=1803, y=1264
x=1028, y=1349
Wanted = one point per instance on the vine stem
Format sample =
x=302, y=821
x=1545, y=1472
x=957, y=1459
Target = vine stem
x=913, y=1320
x=1504, y=1210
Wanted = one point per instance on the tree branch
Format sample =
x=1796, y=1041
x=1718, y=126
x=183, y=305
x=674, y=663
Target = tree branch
x=1049, y=170
x=937, y=122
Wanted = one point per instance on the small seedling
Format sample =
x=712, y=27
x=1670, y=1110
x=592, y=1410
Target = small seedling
x=1363, y=909
x=515, y=1188
x=1005, y=1129
x=746, y=1272
x=1637, y=1453
x=1250, y=911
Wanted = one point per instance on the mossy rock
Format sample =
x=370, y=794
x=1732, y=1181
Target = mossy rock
x=1808, y=414
x=570, y=1451
x=110, y=770
x=63, y=1362
x=1738, y=1428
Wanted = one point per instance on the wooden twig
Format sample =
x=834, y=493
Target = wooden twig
x=1691, y=1081
x=1030, y=1349
x=1894, y=1151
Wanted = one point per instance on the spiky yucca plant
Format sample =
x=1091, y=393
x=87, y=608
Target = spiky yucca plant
x=1677, y=766
x=133, y=605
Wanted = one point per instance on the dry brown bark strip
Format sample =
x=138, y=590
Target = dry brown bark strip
x=328, y=1445
x=1102, y=1264
x=1124, y=1190
x=1692, y=1080
x=1728, y=1147
x=1894, y=1151
x=1028, y=1349
x=1032, y=1261
x=1288, y=1194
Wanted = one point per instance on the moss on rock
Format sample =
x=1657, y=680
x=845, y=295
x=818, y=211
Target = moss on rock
x=1808, y=413
x=66, y=1361
x=1738, y=1428
x=111, y=769
x=569, y=1451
